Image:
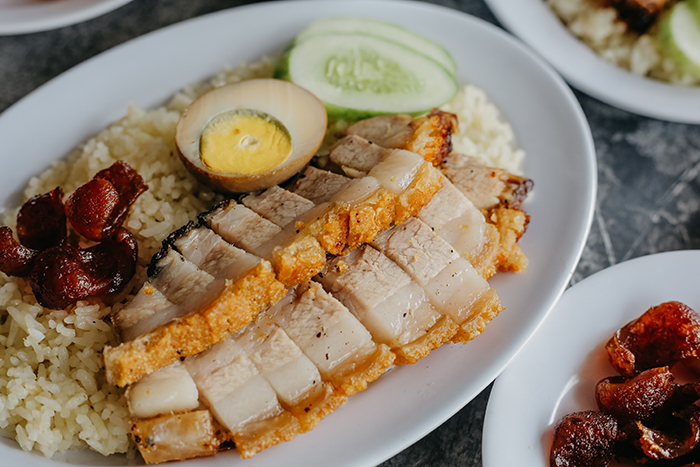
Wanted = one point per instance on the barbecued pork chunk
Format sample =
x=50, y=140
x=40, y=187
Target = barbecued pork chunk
x=240, y=398
x=486, y=187
x=387, y=302
x=389, y=131
x=454, y=218
x=132, y=320
x=296, y=380
x=212, y=254
x=318, y=186
x=357, y=153
x=278, y=205
x=176, y=437
x=331, y=337
x=169, y=390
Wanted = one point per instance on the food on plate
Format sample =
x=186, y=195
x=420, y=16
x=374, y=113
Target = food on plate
x=250, y=135
x=359, y=74
x=680, y=36
x=655, y=38
x=251, y=319
x=644, y=415
x=61, y=274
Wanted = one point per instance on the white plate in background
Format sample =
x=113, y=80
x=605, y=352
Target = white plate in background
x=537, y=25
x=556, y=373
x=408, y=402
x=25, y=16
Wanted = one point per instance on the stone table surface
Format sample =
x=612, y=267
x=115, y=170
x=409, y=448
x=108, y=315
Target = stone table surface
x=648, y=193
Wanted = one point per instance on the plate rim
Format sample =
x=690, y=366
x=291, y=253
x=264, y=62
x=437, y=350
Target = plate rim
x=47, y=16
x=565, y=91
x=588, y=72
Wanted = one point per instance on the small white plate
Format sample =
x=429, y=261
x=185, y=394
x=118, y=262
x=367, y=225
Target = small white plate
x=410, y=401
x=25, y=16
x=556, y=373
x=536, y=24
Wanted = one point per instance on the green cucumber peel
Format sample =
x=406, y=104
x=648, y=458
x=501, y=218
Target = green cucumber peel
x=679, y=36
x=358, y=76
x=382, y=30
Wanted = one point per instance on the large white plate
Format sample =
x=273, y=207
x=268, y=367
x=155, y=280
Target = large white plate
x=556, y=372
x=24, y=16
x=407, y=403
x=538, y=26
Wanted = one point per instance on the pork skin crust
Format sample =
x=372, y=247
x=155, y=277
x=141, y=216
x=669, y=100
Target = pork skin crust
x=487, y=307
x=238, y=304
x=442, y=331
x=432, y=137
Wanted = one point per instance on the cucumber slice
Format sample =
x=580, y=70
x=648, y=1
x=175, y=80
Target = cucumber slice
x=383, y=30
x=679, y=34
x=358, y=76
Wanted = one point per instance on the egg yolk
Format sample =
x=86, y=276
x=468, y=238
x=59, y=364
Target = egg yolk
x=244, y=142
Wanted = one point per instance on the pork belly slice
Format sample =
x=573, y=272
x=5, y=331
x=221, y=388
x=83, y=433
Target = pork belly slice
x=318, y=186
x=410, y=178
x=486, y=187
x=333, y=339
x=392, y=307
x=429, y=136
x=389, y=131
x=133, y=320
x=278, y=205
x=178, y=279
x=451, y=283
x=211, y=253
x=296, y=380
x=296, y=256
x=235, y=307
x=461, y=293
x=239, y=225
x=176, y=436
x=168, y=390
x=240, y=398
x=454, y=218
x=357, y=153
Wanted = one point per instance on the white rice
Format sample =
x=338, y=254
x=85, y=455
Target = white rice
x=598, y=28
x=53, y=395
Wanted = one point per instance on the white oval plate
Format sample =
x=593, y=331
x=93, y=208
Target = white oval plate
x=556, y=372
x=535, y=23
x=406, y=404
x=25, y=16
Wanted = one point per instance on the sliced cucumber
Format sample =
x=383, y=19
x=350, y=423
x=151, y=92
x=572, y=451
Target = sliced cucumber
x=383, y=30
x=679, y=34
x=359, y=76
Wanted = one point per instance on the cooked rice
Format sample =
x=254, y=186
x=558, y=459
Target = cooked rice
x=53, y=395
x=598, y=28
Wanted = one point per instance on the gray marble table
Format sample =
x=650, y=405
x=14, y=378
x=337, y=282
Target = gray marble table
x=648, y=193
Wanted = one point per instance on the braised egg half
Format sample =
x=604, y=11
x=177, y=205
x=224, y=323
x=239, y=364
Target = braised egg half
x=250, y=135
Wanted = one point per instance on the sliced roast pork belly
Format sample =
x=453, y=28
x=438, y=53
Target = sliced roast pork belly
x=451, y=283
x=171, y=389
x=454, y=218
x=237, y=305
x=318, y=185
x=429, y=136
x=335, y=341
x=388, y=303
x=357, y=153
x=278, y=205
x=240, y=398
x=501, y=194
x=296, y=380
x=239, y=225
x=486, y=186
x=177, y=436
x=133, y=320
